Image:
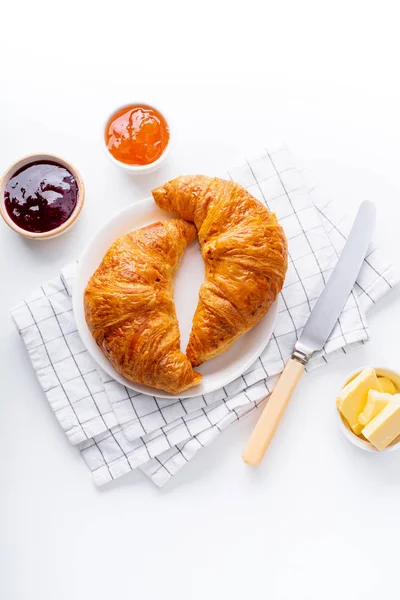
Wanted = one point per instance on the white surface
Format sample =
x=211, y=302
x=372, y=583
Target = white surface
x=189, y=277
x=319, y=518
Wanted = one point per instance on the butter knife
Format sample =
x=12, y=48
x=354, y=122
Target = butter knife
x=316, y=331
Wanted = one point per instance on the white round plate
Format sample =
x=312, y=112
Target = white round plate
x=216, y=372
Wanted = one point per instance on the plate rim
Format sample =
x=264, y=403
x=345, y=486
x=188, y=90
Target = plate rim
x=83, y=330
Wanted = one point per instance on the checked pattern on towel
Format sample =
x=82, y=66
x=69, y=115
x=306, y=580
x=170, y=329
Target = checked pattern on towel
x=118, y=429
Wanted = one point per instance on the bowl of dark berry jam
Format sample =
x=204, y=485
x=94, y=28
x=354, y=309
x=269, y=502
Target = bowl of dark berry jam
x=41, y=196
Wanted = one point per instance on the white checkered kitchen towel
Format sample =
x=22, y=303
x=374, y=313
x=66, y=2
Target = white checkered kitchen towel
x=117, y=429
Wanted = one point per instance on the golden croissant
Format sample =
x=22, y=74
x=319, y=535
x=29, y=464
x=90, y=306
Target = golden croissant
x=245, y=255
x=130, y=311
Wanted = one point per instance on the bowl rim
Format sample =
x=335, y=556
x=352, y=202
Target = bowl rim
x=136, y=168
x=344, y=427
x=25, y=160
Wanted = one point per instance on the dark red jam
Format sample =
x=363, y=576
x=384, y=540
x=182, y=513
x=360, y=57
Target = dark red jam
x=41, y=196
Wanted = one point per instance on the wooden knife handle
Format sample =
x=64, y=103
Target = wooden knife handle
x=272, y=413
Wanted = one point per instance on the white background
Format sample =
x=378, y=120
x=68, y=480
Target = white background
x=319, y=518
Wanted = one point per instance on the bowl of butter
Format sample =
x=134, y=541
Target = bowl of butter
x=369, y=409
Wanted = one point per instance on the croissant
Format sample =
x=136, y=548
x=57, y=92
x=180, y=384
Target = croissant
x=130, y=311
x=245, y=255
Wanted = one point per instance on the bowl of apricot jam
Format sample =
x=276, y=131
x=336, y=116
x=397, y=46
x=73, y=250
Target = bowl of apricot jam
x=41, y=196
x=137, y=137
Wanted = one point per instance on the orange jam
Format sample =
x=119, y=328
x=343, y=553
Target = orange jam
x=137, y=135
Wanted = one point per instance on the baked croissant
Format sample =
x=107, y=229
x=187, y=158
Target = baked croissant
x=130, y=311
x=245, y=254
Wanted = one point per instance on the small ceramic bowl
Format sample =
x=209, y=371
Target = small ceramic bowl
x=26, y=160
x=345, y=429
x=136, y=169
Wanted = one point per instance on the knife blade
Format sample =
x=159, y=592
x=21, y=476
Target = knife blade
x=316, y=331
x=334, y=296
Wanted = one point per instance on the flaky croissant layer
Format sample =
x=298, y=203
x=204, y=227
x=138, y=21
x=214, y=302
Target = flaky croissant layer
x=245, y=254
x=130, y=311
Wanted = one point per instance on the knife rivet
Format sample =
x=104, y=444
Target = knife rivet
x=301, y=357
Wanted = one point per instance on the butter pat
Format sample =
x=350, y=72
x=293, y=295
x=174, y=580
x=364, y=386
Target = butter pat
x=385, y=427
x=353, y=397
x=375, y=403
x=387, y=385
